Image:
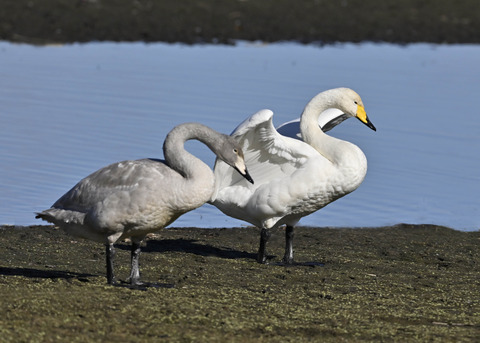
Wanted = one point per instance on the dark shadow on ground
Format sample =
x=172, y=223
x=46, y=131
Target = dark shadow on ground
x=190, y=246
x=39, y=273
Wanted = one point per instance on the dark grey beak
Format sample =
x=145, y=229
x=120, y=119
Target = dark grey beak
x=246, y=175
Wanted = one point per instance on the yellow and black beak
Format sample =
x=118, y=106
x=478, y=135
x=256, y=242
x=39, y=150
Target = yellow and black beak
x=362, y=116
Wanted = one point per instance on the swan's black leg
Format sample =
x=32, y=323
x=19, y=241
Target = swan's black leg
x=288, y=257
x=110, y=255
x=134, y=278
x=135, y=271
x=262, y=254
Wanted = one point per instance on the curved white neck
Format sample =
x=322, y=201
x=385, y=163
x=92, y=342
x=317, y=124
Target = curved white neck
x=312, y=134
x=349, y=160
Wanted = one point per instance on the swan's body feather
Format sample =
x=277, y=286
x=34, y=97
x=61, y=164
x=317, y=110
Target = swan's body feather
x=125, y=199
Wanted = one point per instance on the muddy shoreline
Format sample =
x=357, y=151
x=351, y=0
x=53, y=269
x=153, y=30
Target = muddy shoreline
x=402, y=283
x=213, y=21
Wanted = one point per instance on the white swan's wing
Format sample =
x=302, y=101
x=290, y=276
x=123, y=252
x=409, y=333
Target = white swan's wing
x=327, y=120
x=330, y=118
x=269, y=156
x=291, y=129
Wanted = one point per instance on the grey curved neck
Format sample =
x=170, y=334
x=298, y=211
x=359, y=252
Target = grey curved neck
x=180, y=159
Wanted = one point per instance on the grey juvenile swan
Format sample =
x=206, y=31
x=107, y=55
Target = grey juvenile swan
x=134, y=198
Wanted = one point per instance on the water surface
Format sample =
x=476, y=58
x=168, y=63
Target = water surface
x=66, y=111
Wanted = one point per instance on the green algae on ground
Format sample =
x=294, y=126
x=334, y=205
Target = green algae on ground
x=401, y=283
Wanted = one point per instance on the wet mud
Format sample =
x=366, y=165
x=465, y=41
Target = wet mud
x=402, y=283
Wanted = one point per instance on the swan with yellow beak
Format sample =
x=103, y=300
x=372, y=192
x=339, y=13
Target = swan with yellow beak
x=293, y=177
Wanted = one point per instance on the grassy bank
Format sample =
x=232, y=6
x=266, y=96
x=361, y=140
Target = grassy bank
x=402, y=283
x=192, y=21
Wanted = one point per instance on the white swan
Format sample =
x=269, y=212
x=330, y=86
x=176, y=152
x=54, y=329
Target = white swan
x=293, y=178
x=134, y=198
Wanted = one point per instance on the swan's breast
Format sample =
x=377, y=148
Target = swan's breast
x=309, y=188
x=352, y=169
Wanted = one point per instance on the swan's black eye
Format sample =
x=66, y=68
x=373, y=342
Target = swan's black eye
x=235, y=150
x=356, y=103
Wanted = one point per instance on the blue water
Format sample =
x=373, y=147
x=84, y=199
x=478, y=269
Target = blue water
x=66, y=111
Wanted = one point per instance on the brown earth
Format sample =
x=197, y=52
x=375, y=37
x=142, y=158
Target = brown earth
x=403, y=283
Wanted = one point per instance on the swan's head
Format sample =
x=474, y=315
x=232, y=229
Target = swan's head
x=232, y=154
x=351, y=104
